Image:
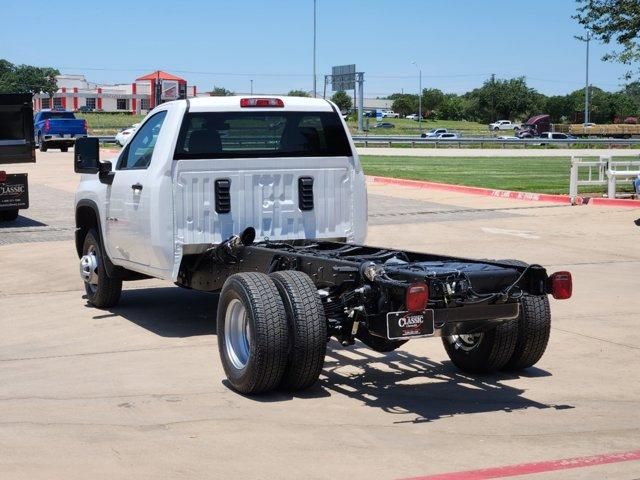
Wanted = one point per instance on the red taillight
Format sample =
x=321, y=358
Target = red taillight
x=561, y=285
x=417, y=297
x=86, y=126
x=47, y=125
x=3, y=176
x=261, y=102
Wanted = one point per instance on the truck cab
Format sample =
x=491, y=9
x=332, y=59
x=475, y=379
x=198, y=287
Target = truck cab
x=196, y=172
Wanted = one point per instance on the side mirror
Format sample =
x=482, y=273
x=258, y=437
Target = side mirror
x=86, y=155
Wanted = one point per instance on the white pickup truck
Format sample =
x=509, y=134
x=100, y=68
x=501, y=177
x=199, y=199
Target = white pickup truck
x=505, y=125
x=263, y=200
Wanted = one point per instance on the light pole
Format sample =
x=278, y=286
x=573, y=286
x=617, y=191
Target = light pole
x=586, y=83
x=419, y=96
x=252, y=87
x=314, y=49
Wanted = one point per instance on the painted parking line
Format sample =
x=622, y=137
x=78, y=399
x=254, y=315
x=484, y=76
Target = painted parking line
x=536, y=467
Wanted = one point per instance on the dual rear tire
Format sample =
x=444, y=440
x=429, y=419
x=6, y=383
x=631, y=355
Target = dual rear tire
x=512, y=346
x=272, y=331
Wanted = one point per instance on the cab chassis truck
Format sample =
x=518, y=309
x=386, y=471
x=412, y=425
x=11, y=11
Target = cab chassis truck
x=16, y=146
x=263, y=200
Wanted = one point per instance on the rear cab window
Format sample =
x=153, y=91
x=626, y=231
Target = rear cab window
x=256, y=134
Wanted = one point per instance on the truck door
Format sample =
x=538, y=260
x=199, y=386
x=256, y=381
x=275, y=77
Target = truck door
x=128, y=223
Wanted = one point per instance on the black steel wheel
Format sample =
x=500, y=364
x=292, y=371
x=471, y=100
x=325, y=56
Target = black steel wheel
x=253, y=336
x=102, y=290
x=307, y=329
x=483, y=352
x=534, y=329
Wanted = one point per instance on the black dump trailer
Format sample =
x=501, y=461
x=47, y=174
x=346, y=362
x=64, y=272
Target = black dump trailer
x=17, y=145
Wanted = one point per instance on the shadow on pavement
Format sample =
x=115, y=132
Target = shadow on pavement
x=168, y=311
x=417, y=389
x=22, y=222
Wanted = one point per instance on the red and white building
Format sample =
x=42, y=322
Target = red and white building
x=74, y=92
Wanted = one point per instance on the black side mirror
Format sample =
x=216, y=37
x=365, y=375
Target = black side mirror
x=86, y=155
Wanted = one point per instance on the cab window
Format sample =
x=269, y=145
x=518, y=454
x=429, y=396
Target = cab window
x=138, y=152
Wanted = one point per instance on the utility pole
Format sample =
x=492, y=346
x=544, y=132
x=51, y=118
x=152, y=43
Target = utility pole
x=419, y=96
x=493, y=97
x=586, y=83
x=314, y=49
x=251, y=86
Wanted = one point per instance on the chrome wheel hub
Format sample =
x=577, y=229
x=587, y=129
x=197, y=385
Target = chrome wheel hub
x=466, y=342
x=89, y=268
x=237, y=334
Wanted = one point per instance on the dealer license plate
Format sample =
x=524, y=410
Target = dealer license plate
x=402, y=325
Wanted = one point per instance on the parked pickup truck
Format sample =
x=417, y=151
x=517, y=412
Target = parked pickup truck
x=58, y=129
x=263, y=199
x=505, y=125
x=16, y=146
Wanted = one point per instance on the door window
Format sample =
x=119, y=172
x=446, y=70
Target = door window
x=138, y=152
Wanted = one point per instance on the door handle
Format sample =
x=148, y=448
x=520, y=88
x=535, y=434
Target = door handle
x=137, y=186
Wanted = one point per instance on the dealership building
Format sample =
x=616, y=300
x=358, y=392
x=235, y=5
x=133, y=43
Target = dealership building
x=139, y=96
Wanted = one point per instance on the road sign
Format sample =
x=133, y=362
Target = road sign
x=343, y=77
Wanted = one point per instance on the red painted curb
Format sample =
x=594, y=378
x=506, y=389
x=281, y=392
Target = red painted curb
x=614, y=202
x=487, y=192
x=537, y=467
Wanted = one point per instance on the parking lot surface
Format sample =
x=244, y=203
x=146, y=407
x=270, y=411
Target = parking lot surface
x=138, y=391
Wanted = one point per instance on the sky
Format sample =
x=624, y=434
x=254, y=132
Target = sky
x=457, y=44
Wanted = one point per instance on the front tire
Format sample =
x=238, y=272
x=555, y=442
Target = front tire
x=307, y=329
x=64, y=149
x=253, y=337
x=534, y=329
x=483, y=352
x=102, y=290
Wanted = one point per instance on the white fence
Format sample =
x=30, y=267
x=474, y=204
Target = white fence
x=603, y=172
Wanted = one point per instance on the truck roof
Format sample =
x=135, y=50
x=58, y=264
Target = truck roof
x=232, y=103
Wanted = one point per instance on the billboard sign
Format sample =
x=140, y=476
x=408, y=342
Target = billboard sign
x=343, y=77
x=170, y=90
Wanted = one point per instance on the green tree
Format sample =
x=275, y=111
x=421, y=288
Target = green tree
x=504, y=99
x=404, y=104
x=27, y=78
x=613, y=21
x=432, y=99
x=452, y=108
x=220, y=92
x=298, y=93
x=342, y=100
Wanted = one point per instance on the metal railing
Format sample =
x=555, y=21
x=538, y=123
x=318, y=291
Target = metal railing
x=481, y=142
x=601, y=172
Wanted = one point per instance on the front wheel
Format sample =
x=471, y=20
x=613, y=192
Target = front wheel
x=253, y=337
x=102, y=290
x=483, y=352
x=64, y=149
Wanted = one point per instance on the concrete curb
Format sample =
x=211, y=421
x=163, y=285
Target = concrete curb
x=487, y=192
x=614, y=202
